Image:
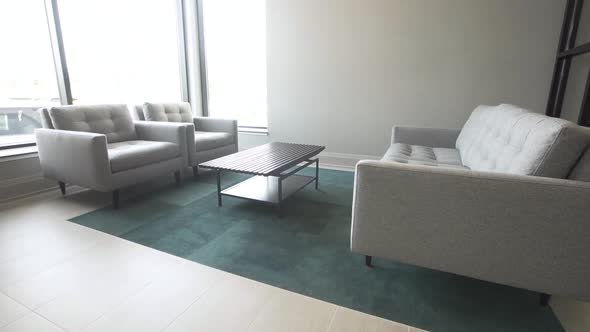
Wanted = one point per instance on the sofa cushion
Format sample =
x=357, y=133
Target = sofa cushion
x=423, y=155
x=137, y=112
x=133, y=154
x=581, y=172
x=207, y=140
x=114, y=121
x=510, y=139
x=170, y=112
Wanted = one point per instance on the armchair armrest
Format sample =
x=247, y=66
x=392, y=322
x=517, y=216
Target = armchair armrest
x=172, y=132
x=217, y=125
x=525, y=231
x=433, y=137
x=75, y=157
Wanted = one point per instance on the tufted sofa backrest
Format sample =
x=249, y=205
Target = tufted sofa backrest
x=137, y=112
x=114, y=121
x=509, y=139
x=168, y=112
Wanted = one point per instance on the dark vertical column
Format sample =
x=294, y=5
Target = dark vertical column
x=584, y=118
x=567, y=41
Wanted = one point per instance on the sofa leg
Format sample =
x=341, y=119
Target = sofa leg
x=62, y=187
x=116, y=199
x=368, y=261
x=195, y=172
x=177, y=177
x=544, y=299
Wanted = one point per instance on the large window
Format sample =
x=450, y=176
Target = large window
x=121, y=51
x=235, y=53
x=27, y=75
x=128, y=51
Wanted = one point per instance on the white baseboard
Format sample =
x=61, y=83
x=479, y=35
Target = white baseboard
x=342, y=161
x=29, y=188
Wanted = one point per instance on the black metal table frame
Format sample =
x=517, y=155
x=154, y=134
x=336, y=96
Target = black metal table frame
x=280, y=176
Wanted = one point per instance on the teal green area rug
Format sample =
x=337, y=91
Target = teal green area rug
x=308, y=252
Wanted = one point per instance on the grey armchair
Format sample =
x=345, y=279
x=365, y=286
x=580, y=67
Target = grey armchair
x=100, y=147
x=211, y=138
x=505, y=199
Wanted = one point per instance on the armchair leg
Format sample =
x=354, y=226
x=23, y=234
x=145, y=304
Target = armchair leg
x=195, y=172
x=544, y=299
x=62, y=187
x=368, y=261
x=177, y=177
x=116, y=199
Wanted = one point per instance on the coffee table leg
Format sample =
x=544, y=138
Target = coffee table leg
x=317, y=173
x=218, y=187
x=280, y=196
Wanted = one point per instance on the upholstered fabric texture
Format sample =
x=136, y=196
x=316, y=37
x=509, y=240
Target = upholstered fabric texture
x=137, y=112
x=175, y=133
x=509, y=139
x=477, y=224
x=212, y=140
x=74, y=157
x=203, y=156
x=581, y=171
x=45, y=118
x=168, y=112
x=423, y=155
x=90, y=152
x=114, y=121
x=132, y=154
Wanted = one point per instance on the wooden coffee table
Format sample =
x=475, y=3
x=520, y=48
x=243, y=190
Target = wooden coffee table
x=274, y=166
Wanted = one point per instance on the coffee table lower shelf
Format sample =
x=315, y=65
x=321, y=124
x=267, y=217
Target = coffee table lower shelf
x=266, y=188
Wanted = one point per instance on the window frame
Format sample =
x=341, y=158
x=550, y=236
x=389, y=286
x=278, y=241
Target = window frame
x=61, y=65
x=63, y=77
x=204, y=77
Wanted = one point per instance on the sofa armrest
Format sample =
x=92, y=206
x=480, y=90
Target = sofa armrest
x=173, y=132
x=75, y=157
x=524, y=231
x=433, y=137
x=216, y=125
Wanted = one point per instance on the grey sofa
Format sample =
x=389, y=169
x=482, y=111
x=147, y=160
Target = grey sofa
x=209, y=138
x=505, y=199
x=100, y=147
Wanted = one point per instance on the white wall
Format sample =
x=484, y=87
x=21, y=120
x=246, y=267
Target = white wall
x=342, y=72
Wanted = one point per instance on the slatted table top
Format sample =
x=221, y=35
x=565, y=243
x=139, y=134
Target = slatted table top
x=267, y=159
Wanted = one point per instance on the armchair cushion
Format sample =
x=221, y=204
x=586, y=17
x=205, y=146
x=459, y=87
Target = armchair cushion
x=133, y=154
x=114, y=121
x=171, y=112
x=423, y=155
x=212, y=140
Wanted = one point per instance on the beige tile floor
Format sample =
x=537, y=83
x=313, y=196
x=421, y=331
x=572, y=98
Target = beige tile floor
x=56, y=275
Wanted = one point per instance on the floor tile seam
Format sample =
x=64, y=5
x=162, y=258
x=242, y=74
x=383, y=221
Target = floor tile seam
x=60, y=261
x=102, y=272
x=27, y=311
x=276, y=293
x=118, y=305
x=201, y=296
